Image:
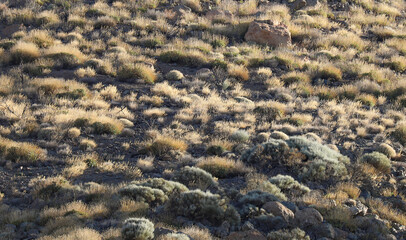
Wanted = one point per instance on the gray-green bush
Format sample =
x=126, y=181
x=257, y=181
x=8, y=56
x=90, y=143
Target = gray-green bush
x=137, y=229
x=195, y=177
x=199, y=205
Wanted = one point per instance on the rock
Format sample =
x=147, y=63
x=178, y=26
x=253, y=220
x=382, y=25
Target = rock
x=308, y=217
x=246, y=235
x=324, y=230
x=359, y=209
x=268, y=224
x=269, y=33
x=247, y=226
x=278, y=209
x=223, y=230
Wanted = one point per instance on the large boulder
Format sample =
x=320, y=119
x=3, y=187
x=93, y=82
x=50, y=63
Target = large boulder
x=268, y=32
x=278, y=209
x=308, y=217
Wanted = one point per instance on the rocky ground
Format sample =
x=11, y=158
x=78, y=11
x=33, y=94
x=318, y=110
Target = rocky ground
x=214, y=119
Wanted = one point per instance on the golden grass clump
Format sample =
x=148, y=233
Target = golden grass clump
x=24, y=52
x=130, y=72
x=66, y=55
x=223, y=167
x=21, y=151
x=238, y=71
x=164, y=144
x=41, y=38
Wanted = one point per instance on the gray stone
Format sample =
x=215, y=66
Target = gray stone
x=308, y=217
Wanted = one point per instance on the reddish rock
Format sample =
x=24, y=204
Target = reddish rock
x=268, y=32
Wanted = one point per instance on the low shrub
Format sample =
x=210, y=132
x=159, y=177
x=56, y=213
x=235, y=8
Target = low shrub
x=163, y=145
x=188, y=58
x=378, y=160
x=289, y=185
x=283, y=234
x=195, y=177
x=129, y=72
x=168, y=187
x=21, y=151
x=137, y=229
x=240, y=136
x=399, y=134
x=152, y=196
x=199, y=205
x=223, y=167
x=24, y=52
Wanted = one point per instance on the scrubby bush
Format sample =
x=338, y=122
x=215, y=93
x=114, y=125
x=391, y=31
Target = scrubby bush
x=174, y=75
x=251, y=203
x=137, y=229
x=24, y=52
x=199, y=205
x=20, y=151
x=223, y=167
x=163, y=145
x=386, y=149
x=296, y=234
x=195, y=177
x=148, y=195
x=168, y=187
x=188, y=58
x=174, y=236
x=289, y=185
x=129, y=72
x=400, y=134
x=279, y=135
x=106, y=128
x=240, y=136
x=378, y=160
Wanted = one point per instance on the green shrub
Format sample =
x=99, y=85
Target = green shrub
x=137, y=229
x=199, y=205
x=195, y=177
x=378, y=160
x=148, y=195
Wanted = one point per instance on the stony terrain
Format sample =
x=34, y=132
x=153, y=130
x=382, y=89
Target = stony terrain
x=196, y=120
